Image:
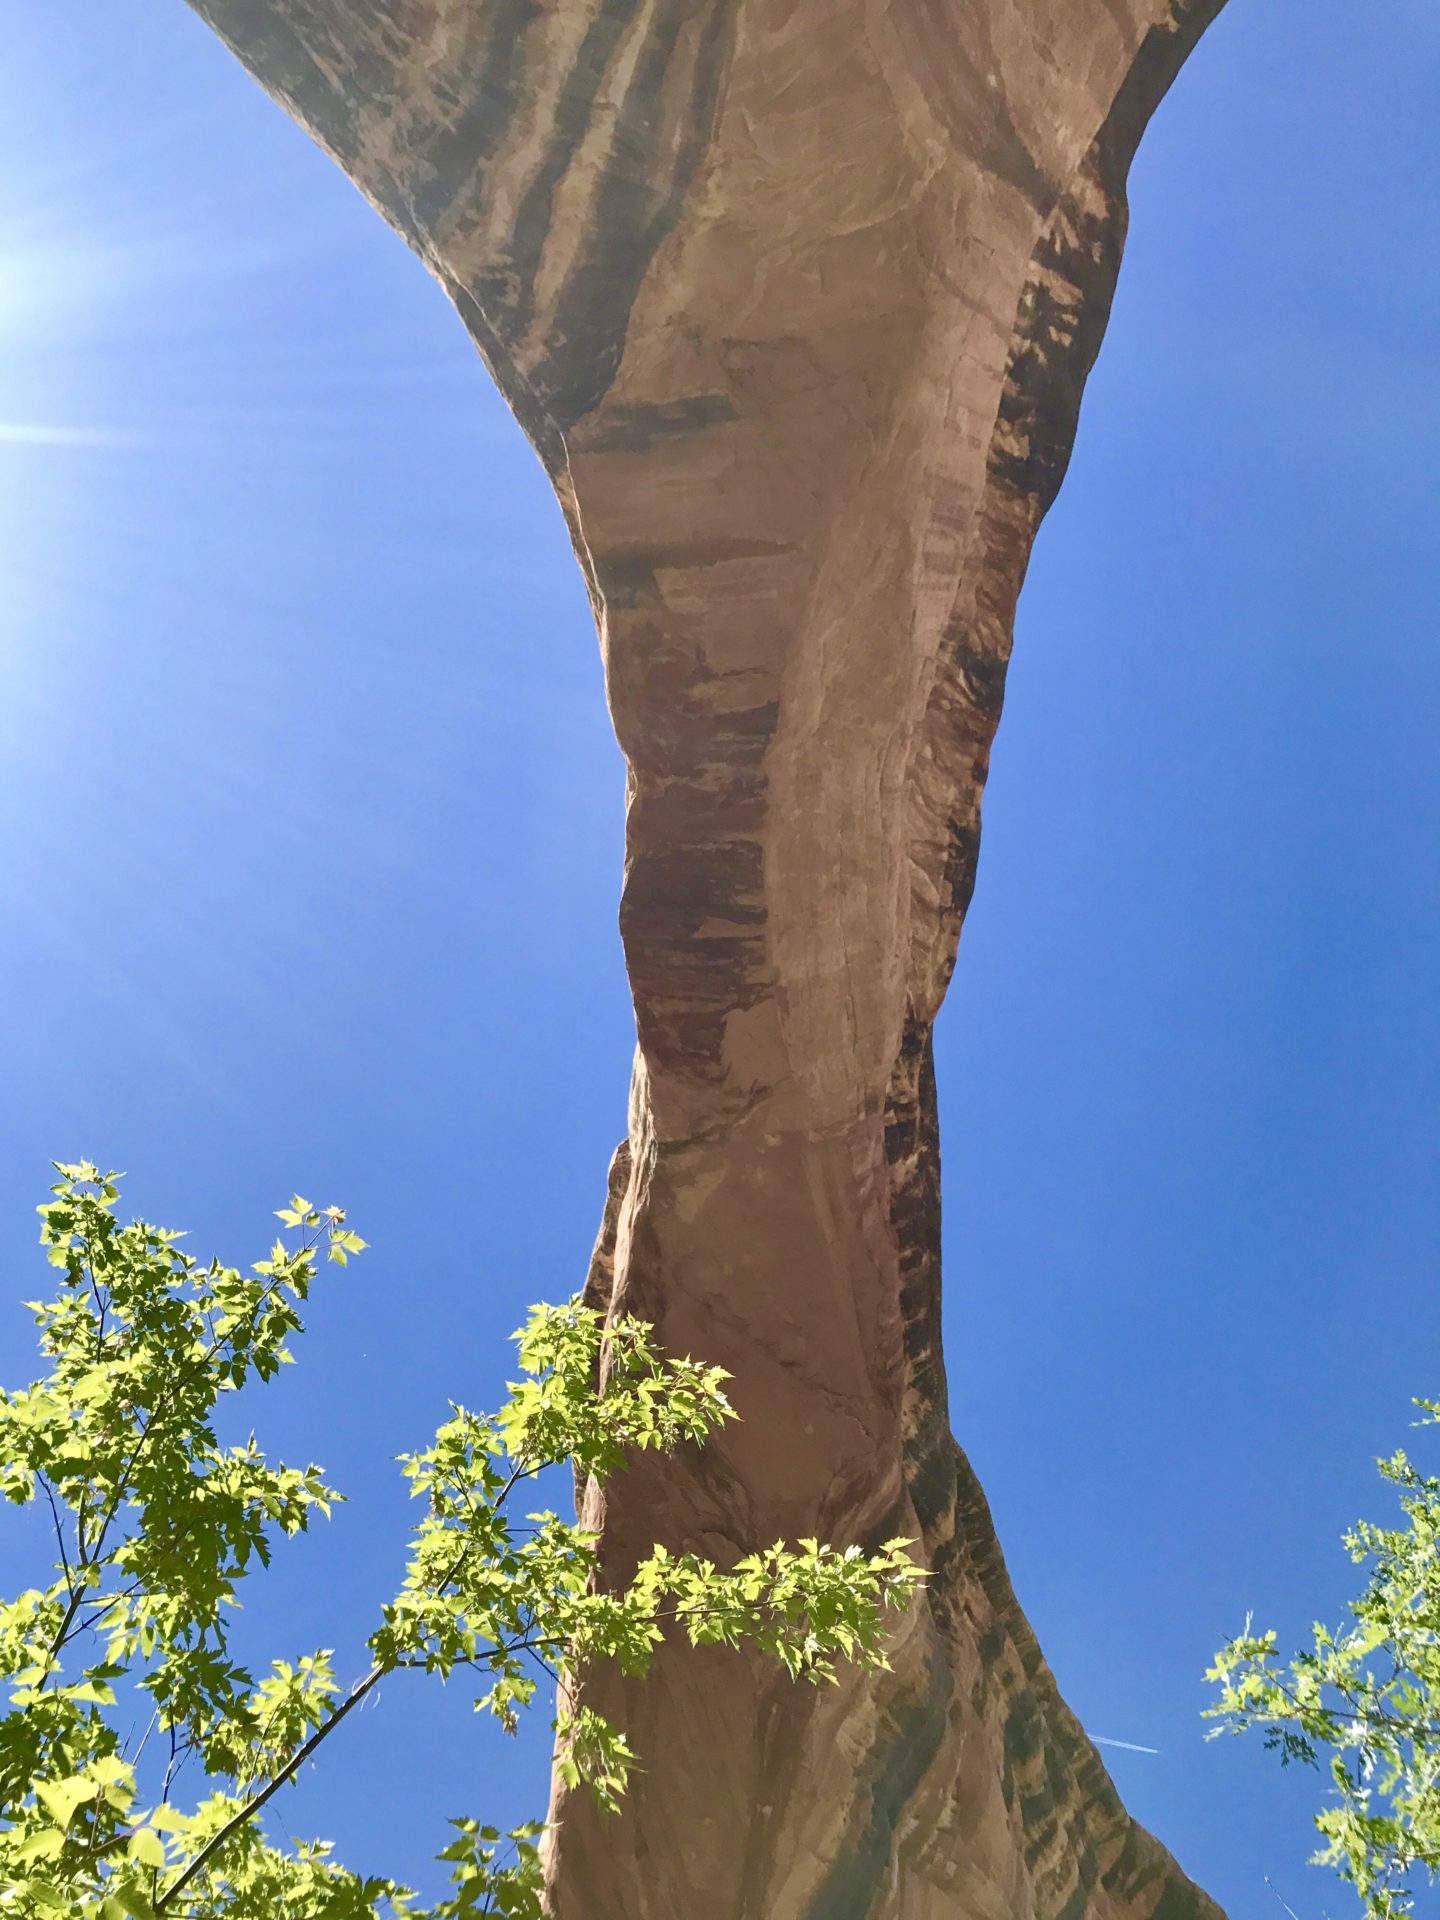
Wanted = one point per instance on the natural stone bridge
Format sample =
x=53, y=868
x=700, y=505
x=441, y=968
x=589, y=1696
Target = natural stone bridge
x=795, y=299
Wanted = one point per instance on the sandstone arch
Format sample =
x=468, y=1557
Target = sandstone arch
x=796, y=300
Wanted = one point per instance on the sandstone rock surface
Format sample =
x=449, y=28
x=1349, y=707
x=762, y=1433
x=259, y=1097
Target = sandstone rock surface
x=795, y=299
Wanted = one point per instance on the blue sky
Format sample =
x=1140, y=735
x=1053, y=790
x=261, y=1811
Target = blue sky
x=310, y=823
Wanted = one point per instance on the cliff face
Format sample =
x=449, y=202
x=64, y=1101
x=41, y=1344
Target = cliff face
x=796, y=299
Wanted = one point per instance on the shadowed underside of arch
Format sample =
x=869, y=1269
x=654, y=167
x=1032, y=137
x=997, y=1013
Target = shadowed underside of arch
x=796, y=300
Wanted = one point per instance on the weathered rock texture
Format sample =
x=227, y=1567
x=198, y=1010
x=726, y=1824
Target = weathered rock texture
x=795, y=299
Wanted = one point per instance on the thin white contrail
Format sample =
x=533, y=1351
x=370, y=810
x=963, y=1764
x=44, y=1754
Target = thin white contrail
x=1128, y=1745
x=1284, y=1903
x=18, y=433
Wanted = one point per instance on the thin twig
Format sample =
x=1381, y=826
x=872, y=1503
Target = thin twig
x=59, y=1535
x=286, y=1773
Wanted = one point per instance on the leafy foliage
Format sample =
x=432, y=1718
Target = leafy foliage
x=1363, y=1701
x=157, y=1522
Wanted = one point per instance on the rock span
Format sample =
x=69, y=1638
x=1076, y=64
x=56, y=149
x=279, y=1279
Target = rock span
x=796, y=299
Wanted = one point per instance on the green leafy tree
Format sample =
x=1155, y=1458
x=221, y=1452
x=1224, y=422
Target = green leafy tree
x=157, y=1522
x=1363, y=1701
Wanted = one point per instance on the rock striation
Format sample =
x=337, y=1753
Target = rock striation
x=796, y=300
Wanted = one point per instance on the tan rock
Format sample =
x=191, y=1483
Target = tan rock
x=796, y=299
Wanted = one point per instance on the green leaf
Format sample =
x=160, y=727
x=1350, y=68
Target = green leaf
x=127, y=1903
x=41, y=1845
x=147, y=1848
x=61, y=1798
